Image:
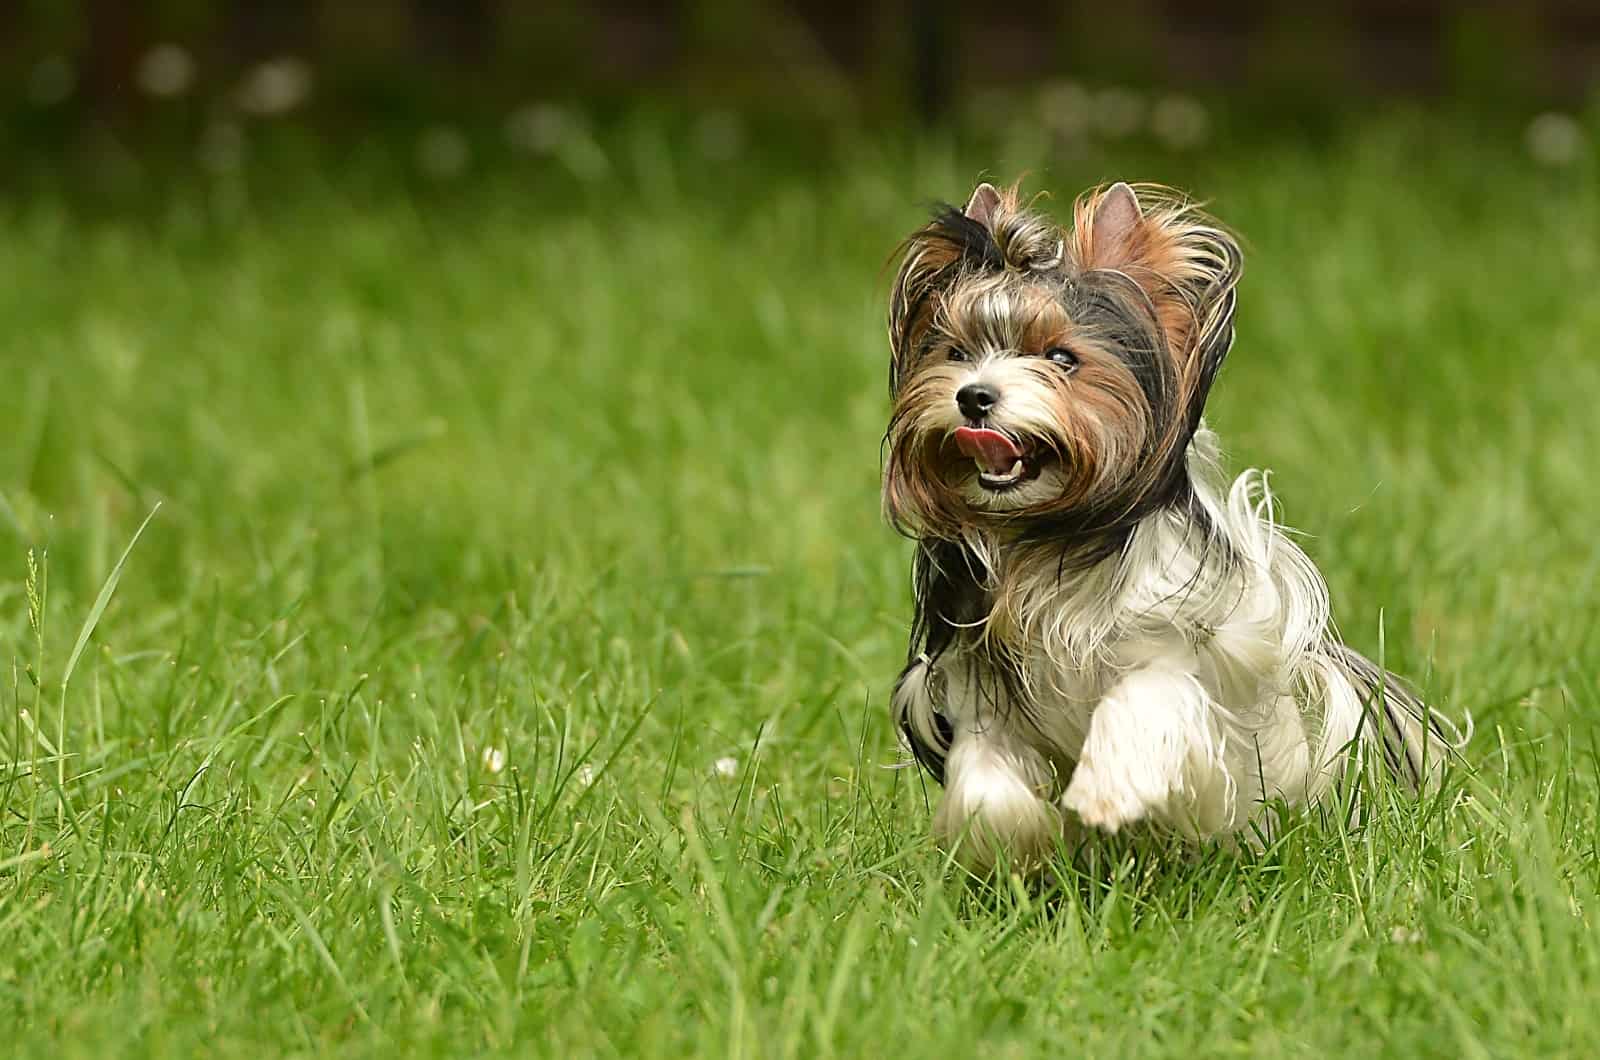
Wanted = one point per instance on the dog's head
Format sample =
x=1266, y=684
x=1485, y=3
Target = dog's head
x=1049, y=377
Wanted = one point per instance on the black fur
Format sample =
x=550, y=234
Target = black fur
x=1119, y=311
x=1388, y=699
x=972, y=238
x=1212, y=347
x=975, y=251
x=950, y=604
x=948, y=595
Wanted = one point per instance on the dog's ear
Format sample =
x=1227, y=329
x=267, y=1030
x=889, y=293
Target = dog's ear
x=1185, y=262
x=1165, y=243
x=983, y=204
x=1116, y=229
x=1183, y=259
x=932, y=258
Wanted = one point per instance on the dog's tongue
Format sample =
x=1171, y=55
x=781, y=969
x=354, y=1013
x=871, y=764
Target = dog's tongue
x=993, y=450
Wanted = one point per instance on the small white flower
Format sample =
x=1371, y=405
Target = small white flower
x=586, y=774
x=494, y=759
x=727, y=766
x=1555, y=139
x=51, y=81
x=165, y=71
x=1404, y=936
x=276, y=86
x=442, y=152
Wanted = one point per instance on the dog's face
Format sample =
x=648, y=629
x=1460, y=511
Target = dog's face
x=1048, y=373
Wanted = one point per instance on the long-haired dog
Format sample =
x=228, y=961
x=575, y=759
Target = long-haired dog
x=1106, y=632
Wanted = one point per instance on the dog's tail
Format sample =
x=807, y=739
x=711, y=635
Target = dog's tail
x=1381, y=718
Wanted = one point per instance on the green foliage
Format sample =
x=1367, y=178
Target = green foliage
x=503, y=672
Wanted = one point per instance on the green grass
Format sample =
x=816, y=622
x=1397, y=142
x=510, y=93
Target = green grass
x=580, y=479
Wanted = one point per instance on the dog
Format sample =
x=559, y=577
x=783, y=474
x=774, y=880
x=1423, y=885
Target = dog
x=1106, y=632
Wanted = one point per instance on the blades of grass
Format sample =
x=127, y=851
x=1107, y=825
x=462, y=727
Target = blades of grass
x=391, y=935
x=844, y=970
x=10, y=516
x=7, y=864
x=430, y=431
x=721, y=912
x=321, y=949
x=102, y=602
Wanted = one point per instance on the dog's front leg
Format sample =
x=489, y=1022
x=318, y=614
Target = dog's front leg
x=996, y=802
x=1154, y=750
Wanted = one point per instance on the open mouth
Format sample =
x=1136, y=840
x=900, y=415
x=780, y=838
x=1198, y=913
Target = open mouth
x=1001, y=460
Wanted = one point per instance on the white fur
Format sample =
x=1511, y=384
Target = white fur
x=1161, y=685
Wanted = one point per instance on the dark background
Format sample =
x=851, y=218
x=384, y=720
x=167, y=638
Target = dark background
x=64, y=63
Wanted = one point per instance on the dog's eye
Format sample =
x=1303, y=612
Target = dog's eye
x=1062, y=356
x=958, y=354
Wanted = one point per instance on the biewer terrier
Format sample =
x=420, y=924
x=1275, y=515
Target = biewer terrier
x=1105, y=631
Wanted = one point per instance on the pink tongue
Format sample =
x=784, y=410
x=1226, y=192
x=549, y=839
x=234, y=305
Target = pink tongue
x=993, y=450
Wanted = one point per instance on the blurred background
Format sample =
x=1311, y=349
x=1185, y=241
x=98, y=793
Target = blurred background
x=494, y=287
x=457, y=86
x=507, y=383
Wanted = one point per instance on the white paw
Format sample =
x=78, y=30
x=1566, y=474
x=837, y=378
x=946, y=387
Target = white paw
x=1109, y=801
x=988, y=815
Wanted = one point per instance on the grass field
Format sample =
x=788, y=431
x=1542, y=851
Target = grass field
x=502, y=670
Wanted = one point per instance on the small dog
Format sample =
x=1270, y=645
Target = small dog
x=1105, y=631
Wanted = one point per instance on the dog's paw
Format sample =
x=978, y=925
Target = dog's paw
x=1111, y=801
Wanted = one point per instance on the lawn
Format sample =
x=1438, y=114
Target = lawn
x=502, y=667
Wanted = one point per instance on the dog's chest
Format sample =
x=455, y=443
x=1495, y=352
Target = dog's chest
x=1069, y=642
x=1035, y=690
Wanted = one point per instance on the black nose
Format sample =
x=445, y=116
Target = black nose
x=976, y=399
